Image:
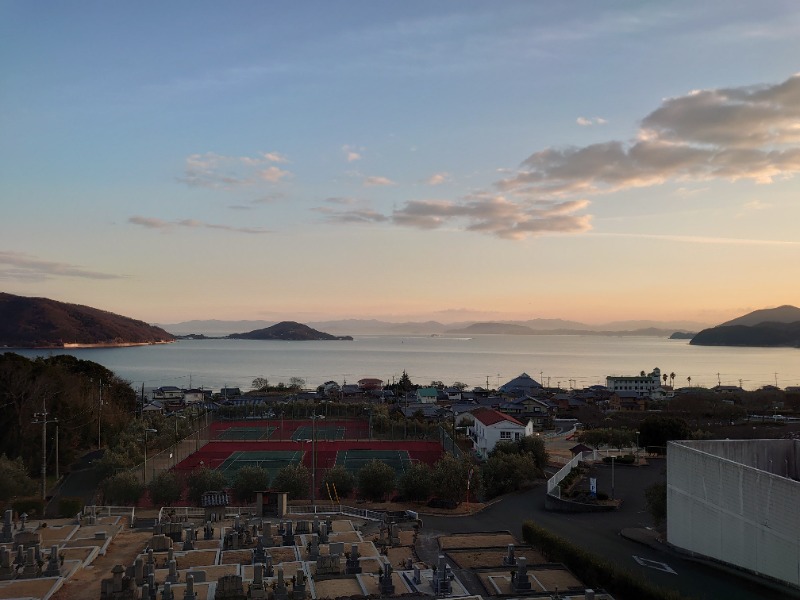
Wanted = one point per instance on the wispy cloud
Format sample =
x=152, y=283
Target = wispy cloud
x=212, y=170
x=377, y=181
x=352, y=153
x=357, y=215
x=496, y=215
x=588, y=122
x=438, y=178
x=16, y=266
x=155, y=223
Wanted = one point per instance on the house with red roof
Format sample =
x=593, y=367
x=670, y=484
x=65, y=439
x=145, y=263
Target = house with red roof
x=492, y=426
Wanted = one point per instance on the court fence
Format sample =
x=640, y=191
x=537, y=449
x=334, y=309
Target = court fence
x=171, y=456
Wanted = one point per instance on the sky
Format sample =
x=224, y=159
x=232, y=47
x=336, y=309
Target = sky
x=584, y=160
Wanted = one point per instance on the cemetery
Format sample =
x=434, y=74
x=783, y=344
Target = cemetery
x=237, y=554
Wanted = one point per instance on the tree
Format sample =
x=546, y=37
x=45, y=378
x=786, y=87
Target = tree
x=339, y=481
x=14, y=480
x=404, y=384
x=297, y=383
x=416, y=484
x=260, y=384
x=249, y=480
x=165, y=488
x=672, y=379
x=505, y=473
x=657, y=431
x=689, y=380
x=295, y=480
x=204, y=480
x=656, y=498
x=664, y=377
x=123, y=488
x=460, y=386
x=450, y=476
x=534, y=446
x=376, y=480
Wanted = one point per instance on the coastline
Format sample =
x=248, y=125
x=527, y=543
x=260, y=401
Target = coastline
x=86, y=346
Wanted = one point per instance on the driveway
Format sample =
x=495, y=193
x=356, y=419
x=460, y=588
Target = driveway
x=599, y=534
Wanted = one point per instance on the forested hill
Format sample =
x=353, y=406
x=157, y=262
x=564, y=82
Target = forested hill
x=42, y=323
x=766, y=335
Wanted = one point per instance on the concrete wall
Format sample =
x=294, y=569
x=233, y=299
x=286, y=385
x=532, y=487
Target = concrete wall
x=720, y=505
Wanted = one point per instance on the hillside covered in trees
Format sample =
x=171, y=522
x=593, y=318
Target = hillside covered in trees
x=42, y=323
x=69, y=390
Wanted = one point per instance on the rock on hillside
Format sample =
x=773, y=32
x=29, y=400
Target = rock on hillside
x=287, y=330
x=43, y=323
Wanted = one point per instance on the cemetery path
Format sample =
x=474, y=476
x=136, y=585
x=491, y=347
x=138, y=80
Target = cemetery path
x=123, y=550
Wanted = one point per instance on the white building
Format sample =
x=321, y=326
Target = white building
x=736, y=501
x=643, y=384
x=491, y=426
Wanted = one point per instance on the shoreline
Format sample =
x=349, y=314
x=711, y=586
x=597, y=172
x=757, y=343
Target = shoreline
x=77, y=346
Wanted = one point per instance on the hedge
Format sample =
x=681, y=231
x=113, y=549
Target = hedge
x=68, y=507
x=593, y=571
x=32, y=506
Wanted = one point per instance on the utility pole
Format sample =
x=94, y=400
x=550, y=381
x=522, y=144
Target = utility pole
x=99, y=412
x=41, y=419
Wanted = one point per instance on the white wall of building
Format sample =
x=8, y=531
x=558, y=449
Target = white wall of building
x=731, y=500
x=486, y=437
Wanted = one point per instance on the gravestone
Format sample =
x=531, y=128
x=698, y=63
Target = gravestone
x=417, y=578
x=138, y=570
x=268, y=568
x=313, y=548
x=197, y=576
x=509, y=559
x=160, y=543
x=442, y=579
x=208, y=531
x=30, y=568
x=173, y=576
x=188, y=543
x=259, y=553
x=258, y=590
x=323, y=533
x=329, y=565
x=336, y=548
x=53, y=566
x=288, y=536
x=8, y=527
x=266, y=534
x=519, y=579
x=385, y=581
x=315, y=525
x=352, y=566
x=229, y=587
x=299, y=587
x=188, y=591
x=166, y=593
x=280, y=592
x=7, y=571
x=394, y=535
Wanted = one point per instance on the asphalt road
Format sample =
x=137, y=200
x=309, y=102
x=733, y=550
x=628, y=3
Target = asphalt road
x=599, y=533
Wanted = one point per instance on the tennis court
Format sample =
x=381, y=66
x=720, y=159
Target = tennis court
x=245, y=433
x=270, y=460
x=319, y=432
x=353, y=460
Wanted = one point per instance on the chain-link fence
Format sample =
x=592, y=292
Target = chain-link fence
x=170, y=457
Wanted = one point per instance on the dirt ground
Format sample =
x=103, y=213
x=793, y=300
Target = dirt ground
x=488, y=558
x=476, y=540
x=123, y=550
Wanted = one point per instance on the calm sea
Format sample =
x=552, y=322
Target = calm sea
x=571, y=361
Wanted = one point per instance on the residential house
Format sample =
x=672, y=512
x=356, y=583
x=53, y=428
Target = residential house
x=193, y=396
x=168, y=392
x=427, y=395
x=492, y=426
x=627, y=401
x=539, y=411
x=370, y=383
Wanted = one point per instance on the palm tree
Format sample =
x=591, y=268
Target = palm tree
x=665, y=378
x=689, y=379
x=672, y=379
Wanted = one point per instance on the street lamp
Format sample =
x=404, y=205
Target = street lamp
x=175, y=448
x=144, y=467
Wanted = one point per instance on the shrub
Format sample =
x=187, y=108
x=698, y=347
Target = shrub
x=339, y=481
x=123, y=488
x=69, y=507
x=249, y=480
x=165, y=489
x=295, y=480
x=416, y=484
x=376, y=479
x=204, y=480
x=32, y=506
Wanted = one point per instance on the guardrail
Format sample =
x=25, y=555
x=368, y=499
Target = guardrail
x=109, y=511
x=335, y=509
x=552, y=483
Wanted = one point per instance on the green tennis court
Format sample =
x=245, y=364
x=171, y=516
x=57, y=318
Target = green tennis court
x=246, y=433
x=319, y=432
x=270, y=460
x=353, y=460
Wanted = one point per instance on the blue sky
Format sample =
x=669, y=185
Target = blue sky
x=446, y=160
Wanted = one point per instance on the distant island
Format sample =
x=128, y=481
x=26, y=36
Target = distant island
x=43, y=323
x=768, y=328
x=682, y=335
x=287, y=330
x=493, y=328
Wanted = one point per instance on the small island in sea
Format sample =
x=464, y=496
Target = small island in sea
x=287, y=330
